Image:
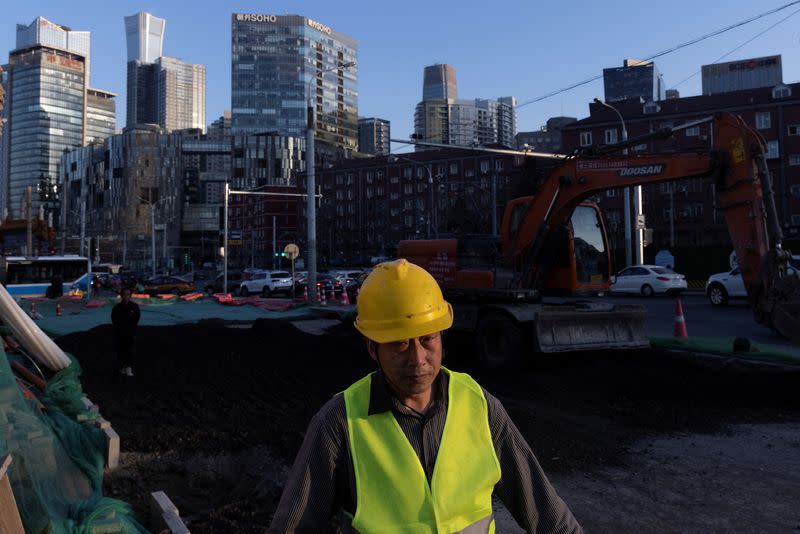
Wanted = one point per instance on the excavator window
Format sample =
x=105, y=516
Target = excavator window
x=591, y=258
x=517, y=213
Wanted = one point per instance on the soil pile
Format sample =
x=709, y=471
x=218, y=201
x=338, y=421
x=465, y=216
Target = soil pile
x=215, y=414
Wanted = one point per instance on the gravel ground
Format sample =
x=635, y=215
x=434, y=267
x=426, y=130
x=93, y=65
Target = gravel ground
x=215, y=415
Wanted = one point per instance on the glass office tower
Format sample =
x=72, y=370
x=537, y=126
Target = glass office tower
x=275, y=60
x=46, y=100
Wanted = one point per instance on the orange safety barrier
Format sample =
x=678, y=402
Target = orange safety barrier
x=192, y=296
x=140, y=296
x=166, y=296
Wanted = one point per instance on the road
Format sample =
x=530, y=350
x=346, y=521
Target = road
x=705, y=320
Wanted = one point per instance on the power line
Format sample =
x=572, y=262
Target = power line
x=756, y=36
x=665, y=52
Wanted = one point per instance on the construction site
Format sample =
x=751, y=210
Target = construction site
x=653, y=440
x=636, y=430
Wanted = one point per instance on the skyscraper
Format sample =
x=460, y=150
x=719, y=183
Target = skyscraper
x=145, y=37
x=47, y=83
x=101, y=115
x=443, y=118
x=161, y=90
x=439, y=83
x=274, y=60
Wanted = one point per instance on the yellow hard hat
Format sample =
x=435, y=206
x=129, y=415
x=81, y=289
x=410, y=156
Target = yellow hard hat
x=400, y=300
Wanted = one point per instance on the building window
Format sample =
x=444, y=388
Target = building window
x=409, y=220
x=408, y=189
x=394, y=180
x=611, y=193
x=454, y=168
x=498, y=165
x=773, y=150
x=469, y=173
x=484, y=166
x=794, y=129
x=339, y=179
x=420, y=172
x=408, y=172
x=394, y=195
x=611, y=136
x=763, y=120
x=586, y=138
x=694, y=131
x=781, y=91
x=795, y=191
x=640, y=148
x=794, y=159
x=795, y=220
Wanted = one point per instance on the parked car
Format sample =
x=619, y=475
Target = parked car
x=234, y=282
x=325, y=282
x=267, y=283
x=167, y=284
x=722, y=287
x=648, y=280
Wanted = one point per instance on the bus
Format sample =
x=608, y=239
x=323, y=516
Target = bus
x=31, y=276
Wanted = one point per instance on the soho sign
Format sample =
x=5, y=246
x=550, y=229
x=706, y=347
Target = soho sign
x=254, y=17
x=317, y=26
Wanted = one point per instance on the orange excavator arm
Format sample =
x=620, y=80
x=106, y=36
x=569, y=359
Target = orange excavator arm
x=736, y=163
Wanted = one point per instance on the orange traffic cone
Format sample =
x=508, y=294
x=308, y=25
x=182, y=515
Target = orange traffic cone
x=345, y=297
x=305, y=294
x=58, y=310
x=324, y=300
x=680, y=321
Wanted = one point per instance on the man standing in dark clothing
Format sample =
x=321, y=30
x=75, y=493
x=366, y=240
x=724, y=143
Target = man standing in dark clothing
x=125, y=318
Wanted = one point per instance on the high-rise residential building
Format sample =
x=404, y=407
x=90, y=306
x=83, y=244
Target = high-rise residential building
x=181, y=94
x=161, y=90
x=461, y=122
x=47, y=82
x=145, y=37
x=741, y=75
x=439, y=83
x=374, y=135
x=276, y=60
x=101, y=115
x=635, y=79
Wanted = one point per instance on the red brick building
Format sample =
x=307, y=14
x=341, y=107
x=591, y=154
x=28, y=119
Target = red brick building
x=695, y=220
x=369, y=205
x=251, y=220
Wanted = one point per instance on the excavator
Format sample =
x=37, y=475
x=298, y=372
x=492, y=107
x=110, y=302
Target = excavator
x=554, y=242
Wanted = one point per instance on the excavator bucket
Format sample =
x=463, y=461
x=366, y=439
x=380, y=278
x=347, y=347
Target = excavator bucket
x=786, y=320
x=591, y=326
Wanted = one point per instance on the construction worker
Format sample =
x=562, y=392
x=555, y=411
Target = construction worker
x=413, y=447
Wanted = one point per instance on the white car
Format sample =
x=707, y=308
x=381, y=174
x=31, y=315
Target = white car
x=648, y=280
x=267, y=283
x=722, y=287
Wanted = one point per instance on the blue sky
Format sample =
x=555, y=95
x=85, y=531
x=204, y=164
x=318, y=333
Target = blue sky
x=520, y=48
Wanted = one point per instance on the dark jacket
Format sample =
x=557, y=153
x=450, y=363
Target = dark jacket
x=125, y=317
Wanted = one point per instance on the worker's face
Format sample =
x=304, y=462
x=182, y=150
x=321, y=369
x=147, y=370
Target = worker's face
x=126, y=295
x=411, y=365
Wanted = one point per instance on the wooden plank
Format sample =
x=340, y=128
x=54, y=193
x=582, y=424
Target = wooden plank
x=10, y=522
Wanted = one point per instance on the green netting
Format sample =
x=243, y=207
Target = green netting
x=724, y=347
x=57, y=463
x=76, y=317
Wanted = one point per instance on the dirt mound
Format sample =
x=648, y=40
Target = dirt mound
x=212, y=406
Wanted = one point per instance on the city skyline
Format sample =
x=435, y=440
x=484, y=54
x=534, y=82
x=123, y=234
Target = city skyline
x=505, y=60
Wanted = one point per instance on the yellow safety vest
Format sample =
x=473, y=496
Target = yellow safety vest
x=392, y=491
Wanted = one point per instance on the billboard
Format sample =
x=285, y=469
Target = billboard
x=740, y=75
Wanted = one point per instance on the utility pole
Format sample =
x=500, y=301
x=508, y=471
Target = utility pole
x=671, y=214
x=494, y=204
x=29, y=214
x=274, y=241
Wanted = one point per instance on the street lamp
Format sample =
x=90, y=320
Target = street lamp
x=637, y=242
x=311, y=208
x=153, y=227
x=427, y=166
